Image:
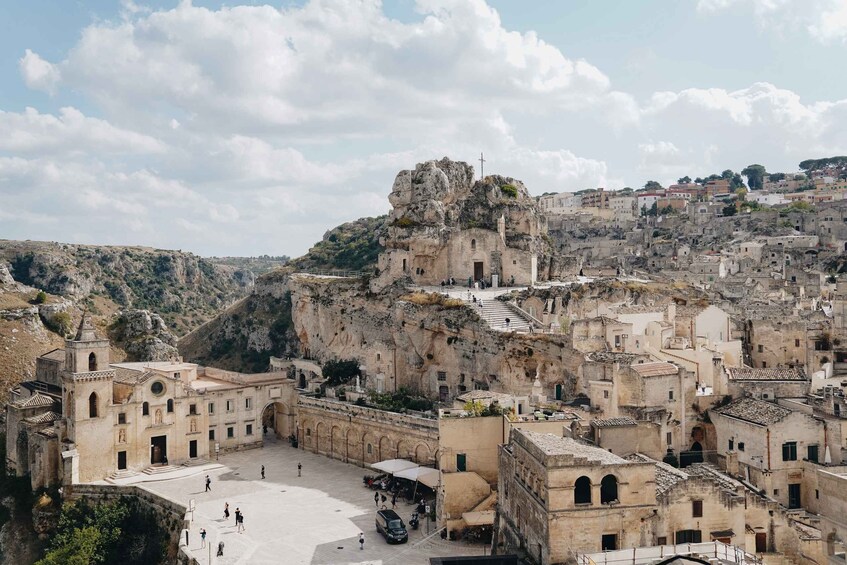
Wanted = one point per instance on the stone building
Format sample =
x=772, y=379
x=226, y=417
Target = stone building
x=122, y=418
x=765, y=384
x=556, y=496
x=444, y=225
x=767, y=444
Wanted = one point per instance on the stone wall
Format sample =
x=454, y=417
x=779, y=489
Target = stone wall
x=360, y=435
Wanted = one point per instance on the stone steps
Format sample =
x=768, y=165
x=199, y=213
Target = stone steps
x=118, y=475
x=495, y=313
x=159, y=469
x=196, y=462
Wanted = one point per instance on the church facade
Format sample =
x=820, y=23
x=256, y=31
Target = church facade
x=84, y=419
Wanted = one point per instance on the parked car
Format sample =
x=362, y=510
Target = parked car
x=389, y=524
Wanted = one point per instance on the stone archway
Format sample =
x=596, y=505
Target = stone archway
x=385, y=449
x=350, y=448
x=277, y=420
x=369, y=440
x=337, y=442
x=422, y=454
x=319, y=428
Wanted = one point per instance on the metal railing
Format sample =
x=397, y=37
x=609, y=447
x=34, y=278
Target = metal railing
x=342, y=274
x=645, y=555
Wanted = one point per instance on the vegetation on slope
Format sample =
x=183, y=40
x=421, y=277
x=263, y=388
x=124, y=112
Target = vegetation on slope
x=353, y=246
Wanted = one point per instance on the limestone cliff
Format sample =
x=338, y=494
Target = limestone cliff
x=244, y=336
x=406, y=339
x=143, y=336
x=184, y=289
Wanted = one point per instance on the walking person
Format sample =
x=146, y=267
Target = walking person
x=208, y=484
x=299, y=469
x=263, y=471
x=202, y=538
x=394, y=501
x=361, y=540
x=240, y=523
x=384, y=498
x=376, y=499
x=226, y=510
x=220, y=549
x=237, y=516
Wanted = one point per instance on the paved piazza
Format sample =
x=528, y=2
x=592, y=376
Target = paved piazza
x=313, y=519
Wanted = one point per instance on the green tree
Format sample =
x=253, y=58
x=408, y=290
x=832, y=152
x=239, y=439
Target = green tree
x=654, y=210
x=340, y=371
x=755, y=176
x=652, y=185
x=41, y=297
x=684, y=180
x=729, y=210
x=79, y=548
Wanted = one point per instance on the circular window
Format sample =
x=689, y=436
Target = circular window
x=157, y=388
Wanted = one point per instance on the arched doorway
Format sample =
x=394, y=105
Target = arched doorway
x=276, y=421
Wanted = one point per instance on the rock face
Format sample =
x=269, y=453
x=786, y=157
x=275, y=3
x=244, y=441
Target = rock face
x=144, y=336
x=407, y=339
x=444, y=224
x=247, y=334
x=185, y=289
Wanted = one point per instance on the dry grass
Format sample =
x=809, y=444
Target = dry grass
x=13, y=301
x=432, y=299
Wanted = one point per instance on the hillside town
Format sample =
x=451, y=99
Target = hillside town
x=572, y=378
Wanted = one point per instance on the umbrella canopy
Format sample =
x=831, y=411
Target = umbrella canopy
x=424, y=475
x=392, y=466
x=483, y=518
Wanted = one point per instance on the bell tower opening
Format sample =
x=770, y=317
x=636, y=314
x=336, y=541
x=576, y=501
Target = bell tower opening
x=92, y=362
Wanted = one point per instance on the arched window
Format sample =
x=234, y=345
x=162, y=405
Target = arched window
x=473, y=245
x=170, y=405
x=582, y=491
x=92, y=362
x=608, y=489
x=145, y=409
x=92, y=405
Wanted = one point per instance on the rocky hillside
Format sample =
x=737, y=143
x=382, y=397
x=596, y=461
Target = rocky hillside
x=247, y=334
x=184, y=289
x=353, y=246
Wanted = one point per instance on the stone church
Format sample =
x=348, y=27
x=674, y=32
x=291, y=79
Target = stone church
x=83, y=419
x=444, y=225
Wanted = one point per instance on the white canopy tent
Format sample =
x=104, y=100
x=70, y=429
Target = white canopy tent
x=424, y=475
x=393, y=466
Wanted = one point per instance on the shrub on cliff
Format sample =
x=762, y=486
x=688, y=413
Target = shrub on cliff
x=122, y=531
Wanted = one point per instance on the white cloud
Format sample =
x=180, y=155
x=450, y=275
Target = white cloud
x=37, y=73
x=31, y=132
x=250, y=130
x=825, y=20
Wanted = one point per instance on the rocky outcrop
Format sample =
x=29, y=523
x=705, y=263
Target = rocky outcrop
x=144, y=336
x=184, y=289
x=353, y=246
x=247, y=334
x=445, y=224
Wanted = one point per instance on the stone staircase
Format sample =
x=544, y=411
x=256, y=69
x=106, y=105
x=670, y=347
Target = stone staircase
x=495, y=313
x=118, y=475
x=159, y=469
x=196, y=462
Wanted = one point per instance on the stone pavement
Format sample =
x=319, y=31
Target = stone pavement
x=313, y=519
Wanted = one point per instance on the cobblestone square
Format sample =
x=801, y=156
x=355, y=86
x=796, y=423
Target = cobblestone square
x=312, y=519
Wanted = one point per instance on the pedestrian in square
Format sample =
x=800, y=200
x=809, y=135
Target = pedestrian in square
x=263, y=471
x=394, y=501
x=220, y=549
x=202, y=537
x=384, y=498
x=361, y=540
x=208, y=484
x=376, y=499
x=226, y=510
x=240, y=522
x=299, y=469
x=237, y=516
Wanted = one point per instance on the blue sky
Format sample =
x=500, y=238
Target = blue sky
x=225, y=128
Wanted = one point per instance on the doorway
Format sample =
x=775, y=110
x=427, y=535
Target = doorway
x=158, y=450
x=609, y=542
x=478, y=272
x=192, y=449
x=558, y=392
x=794, y=495
x=761, y=542
x=461, y=462
x=121, y=460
